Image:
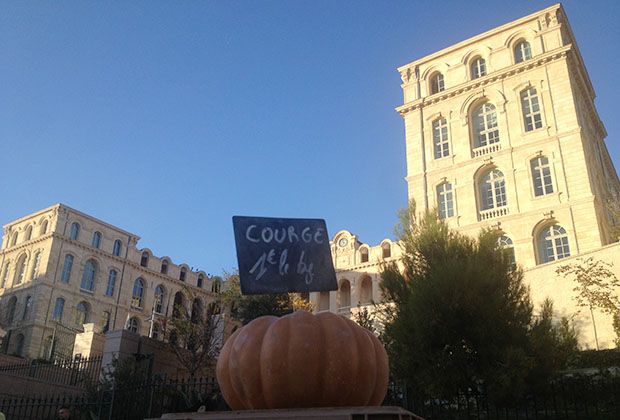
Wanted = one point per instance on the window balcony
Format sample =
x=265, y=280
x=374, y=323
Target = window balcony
x=493, y=213
x=485, y=150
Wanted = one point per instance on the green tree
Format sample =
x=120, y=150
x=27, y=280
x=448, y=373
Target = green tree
x=245, y=308
x=597, y=287
x=194, y=335
x=461, y=314
x=551, y=346
x=613, y=206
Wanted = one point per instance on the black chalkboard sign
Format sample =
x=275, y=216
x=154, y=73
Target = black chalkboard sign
x=283, y=255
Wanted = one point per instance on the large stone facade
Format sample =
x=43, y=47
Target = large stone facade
x=518, y=146
x=60, y=267
x=502, y=133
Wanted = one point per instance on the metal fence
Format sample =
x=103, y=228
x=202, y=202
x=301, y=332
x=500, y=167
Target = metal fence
x=136, y=402
x=587, y=398
x=79, y=372
x=583, y=397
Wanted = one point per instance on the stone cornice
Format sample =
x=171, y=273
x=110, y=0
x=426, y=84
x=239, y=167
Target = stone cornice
x=136, y=266
x=538, y=61
x=476, y=39
x=25, y=244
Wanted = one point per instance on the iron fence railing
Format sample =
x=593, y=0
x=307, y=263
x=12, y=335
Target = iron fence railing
x=149, y=399
x=583, y=397
x=587, y=398
x=79, y=372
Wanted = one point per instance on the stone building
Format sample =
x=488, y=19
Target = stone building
x=502, y=132
x=357, y=267
x=61, y=269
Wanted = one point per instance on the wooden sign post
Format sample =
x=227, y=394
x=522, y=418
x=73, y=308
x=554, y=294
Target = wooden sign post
x=283, y=255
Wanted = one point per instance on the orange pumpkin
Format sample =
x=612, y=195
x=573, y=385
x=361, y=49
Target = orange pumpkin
x=302, y=360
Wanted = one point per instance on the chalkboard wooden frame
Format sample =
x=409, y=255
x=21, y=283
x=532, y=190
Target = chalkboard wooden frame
x=279, y=255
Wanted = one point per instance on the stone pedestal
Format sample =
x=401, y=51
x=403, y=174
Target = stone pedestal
x=328, y=413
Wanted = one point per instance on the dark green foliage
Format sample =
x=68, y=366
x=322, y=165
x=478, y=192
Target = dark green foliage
x=245, y=308
x=462, y=315
x=365, y=319
x=598, y=359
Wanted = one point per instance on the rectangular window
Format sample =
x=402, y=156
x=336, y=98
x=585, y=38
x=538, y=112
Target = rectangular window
x=440, y=138
x=60, y=304
x=532, y=117
x=541, y=175
x=66, y=269
x=109, y=291
x=445, y=201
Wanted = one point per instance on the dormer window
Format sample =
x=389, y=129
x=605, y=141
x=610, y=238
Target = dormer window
x=437, y=84
x=144, y=261
x=523, y=51
x=478, y=68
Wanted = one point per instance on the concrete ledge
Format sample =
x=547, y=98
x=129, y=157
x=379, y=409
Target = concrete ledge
x=327, y=413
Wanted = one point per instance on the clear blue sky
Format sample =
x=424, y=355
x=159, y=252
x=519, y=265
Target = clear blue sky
x=167, y=118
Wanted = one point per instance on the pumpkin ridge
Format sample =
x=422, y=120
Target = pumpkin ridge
x=223, y=374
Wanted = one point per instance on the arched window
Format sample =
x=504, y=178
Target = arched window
x=478, y=68
x=133, y=325
x=200, y=281
x=27, y=305
x=523, y=51
x=81, y=315
x=364, y=254
x=366, y=291
x=58, y=308
x=344, y=294
x=21, y=270
x=35, y=266
x=66, y=269
x=541, y=176
x=440, y=138
x=553, y=244
x=159, y=299
x=216, y=285
x=138, y=292
x=445, y=201
x=492, y=190
x=196, y=311
x=183, y=274
x=532, y=118
x=75, y=231
x=14, y=239
x=485, y=127
x=5, y=275
x=105, y=321
x=96, y=240
x=19, y=345
x=43, y=230
x=89, y=275
x=387, y=250
x=437, y=84
x=504, y=242
x=109, y=290
x=144, y=260
x=117, y=248
x=28, y=233
x=178, y=304
x=10, y=313
x=164, y=266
